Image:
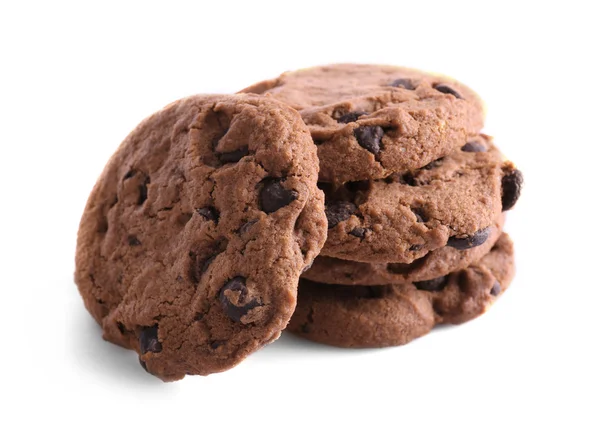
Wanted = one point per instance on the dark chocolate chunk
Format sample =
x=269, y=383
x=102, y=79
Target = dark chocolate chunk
x=369, y=137
x=274, y=196
x=338, y=212
x=149, y=340
x=434, y=285
x=496, y=289
x=403, y=83
x=232, y=156
x=447, y=90
x=234, y=299
x=478, y=238
x=210, y=213
x=215, y=344
x=350, y=117
x=358, y=232
x=511, y=188
x=474, y=146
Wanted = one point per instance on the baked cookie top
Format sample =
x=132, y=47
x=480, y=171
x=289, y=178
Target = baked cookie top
x=389, y=315
x=369, y=121
x=451, y=201
x=193, y=239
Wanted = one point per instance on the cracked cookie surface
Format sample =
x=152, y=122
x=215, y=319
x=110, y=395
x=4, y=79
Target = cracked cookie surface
x=369, y=121
x=451, y=201
x=390, y=315
x=194, y=237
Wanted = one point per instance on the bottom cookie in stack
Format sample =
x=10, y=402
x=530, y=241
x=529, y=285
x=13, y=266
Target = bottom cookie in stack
x=394, y=314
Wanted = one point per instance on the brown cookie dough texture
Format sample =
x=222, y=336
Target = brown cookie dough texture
x=194, y=237
x=452, y=201
x=389, y=315
x=370, y=121
x=436, y=263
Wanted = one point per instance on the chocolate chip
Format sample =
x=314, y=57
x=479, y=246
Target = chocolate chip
x=215, y=344
x=447, y=90
x=274, y=196
x=474, y=146
x=234, y=299
x=511, y=188
x=369, y=137
x=199, y=316
x=358, y=232
x=143, y=364
x=179, y=279
x=403, y=83
x=415, y=248
x=478, y=238
x=133, y=241
x=338, y=212
x=232, y=156
x=143, y=191
x=350, y=117
x=210, y=213
x=496, y=289
x=434, y=285
x=149, y=340
x=121, y=327
x=420, y=214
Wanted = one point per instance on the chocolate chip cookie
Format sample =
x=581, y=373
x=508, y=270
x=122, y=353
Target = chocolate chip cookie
x=452, y=201
x=193, y=239
x=369, y=121
x=389, y=315
x=435, y=264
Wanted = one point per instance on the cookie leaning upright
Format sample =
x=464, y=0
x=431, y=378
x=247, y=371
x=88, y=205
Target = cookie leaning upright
x=372, y=120
x=193, y=239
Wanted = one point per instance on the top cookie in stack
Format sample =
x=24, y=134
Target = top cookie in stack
x=414, y=193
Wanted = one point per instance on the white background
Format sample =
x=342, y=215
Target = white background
x=76, y=77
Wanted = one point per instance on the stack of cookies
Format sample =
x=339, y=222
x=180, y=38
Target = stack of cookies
x=356, y=205
x=414, y=195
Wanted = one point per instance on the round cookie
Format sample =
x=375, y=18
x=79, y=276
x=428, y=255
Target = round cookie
x=390, y=315
x=369, y=121
x=194, y=237
x=452, y=201
x=435, y=264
